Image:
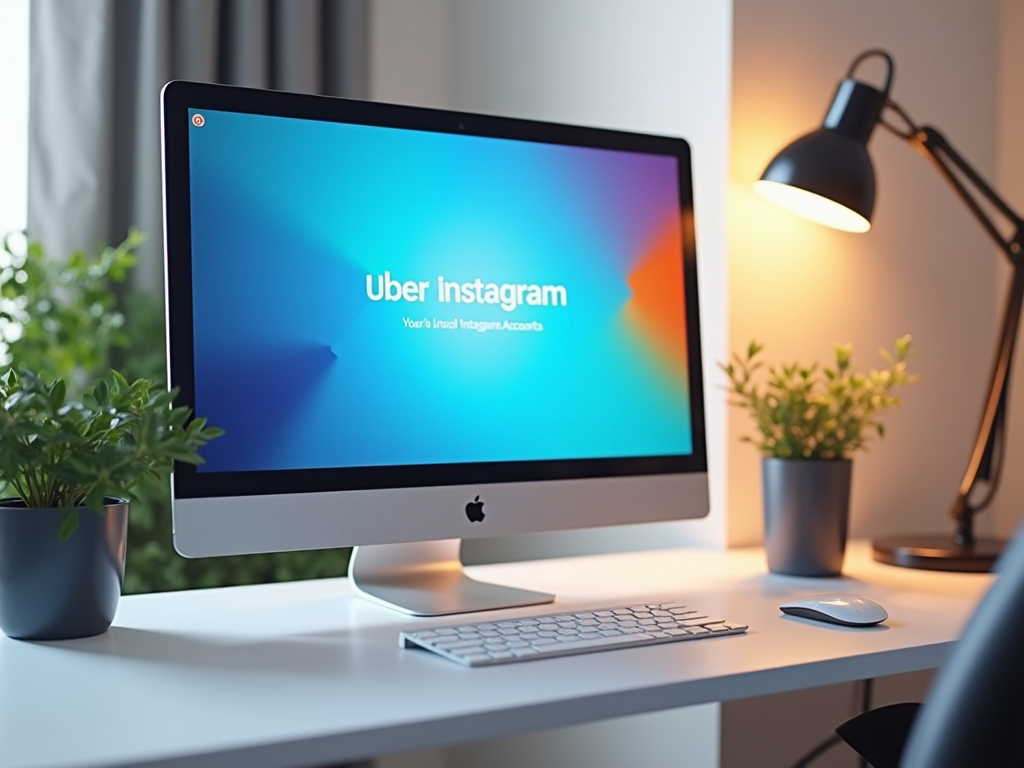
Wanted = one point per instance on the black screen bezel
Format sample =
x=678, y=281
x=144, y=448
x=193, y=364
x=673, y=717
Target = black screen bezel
x=179, y=97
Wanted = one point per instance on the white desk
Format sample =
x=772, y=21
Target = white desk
x=306, y=674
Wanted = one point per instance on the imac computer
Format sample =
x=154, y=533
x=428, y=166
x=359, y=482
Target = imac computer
x=419, y=326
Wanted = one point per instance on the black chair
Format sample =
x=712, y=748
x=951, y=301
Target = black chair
x=974, y=714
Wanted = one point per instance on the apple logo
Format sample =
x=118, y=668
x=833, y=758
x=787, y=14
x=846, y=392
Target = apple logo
x=475, y=511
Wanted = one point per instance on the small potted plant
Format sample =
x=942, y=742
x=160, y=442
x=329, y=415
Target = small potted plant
x=71, y=467
x=811, y=421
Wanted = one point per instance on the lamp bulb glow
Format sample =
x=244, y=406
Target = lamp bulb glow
x=812, y=206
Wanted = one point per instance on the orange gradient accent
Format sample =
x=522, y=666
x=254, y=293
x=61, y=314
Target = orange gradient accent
x=656, y=307
x=812, y=206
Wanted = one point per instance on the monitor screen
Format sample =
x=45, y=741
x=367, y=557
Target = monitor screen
x=398, y=314
x=407, y=297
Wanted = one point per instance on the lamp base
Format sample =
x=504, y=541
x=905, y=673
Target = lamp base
x=937, y=553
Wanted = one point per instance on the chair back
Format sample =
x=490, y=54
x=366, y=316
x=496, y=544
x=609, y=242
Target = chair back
x=974, y=714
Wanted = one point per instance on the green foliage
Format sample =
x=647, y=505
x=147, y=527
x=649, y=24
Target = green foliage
x=60, y=318
x=804, y=412
x=60, y=453
x=44, y=316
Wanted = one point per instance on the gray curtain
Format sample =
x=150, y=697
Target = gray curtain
x=96, y=70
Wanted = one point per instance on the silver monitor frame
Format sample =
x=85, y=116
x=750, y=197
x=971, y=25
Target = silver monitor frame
x=407, y=534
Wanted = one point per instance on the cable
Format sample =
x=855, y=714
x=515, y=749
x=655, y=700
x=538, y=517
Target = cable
x=818, y=751
x=865, y=706
x=867, y=686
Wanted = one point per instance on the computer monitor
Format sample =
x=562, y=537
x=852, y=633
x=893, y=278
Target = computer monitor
x=419, y=326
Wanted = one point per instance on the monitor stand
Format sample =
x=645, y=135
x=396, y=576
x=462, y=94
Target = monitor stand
x=425, y=578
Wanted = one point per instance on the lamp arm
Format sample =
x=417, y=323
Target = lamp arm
x=987, y=456
x=933, y=145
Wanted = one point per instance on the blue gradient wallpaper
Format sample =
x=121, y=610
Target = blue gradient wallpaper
x=369, y=296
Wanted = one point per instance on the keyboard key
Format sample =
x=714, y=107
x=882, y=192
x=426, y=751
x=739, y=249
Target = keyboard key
x=585, y=644
x=456, y=644
x=475, y=650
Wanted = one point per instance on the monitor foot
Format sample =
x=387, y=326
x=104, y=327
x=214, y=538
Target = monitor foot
x=425, y=578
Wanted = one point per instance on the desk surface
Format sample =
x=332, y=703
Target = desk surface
x=307, y=674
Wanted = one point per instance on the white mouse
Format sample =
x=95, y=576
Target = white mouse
x=847, y=610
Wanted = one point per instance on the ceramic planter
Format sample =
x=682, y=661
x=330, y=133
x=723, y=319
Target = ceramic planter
x=806, y=511
x=53, y=590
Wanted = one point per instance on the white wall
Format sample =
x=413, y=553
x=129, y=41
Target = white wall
x=925, y=268
x=410, y=52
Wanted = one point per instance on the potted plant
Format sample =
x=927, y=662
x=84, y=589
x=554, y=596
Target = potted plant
x=811, y=421
x=71, y=467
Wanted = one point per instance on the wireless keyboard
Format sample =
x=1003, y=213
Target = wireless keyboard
x=564, y=634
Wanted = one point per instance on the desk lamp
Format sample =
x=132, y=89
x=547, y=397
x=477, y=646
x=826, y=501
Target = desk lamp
x=827, y=176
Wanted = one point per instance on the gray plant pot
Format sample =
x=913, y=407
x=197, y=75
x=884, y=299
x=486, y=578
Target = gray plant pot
x=53, y=590
x=806, y=511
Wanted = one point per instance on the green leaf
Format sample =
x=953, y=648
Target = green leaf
x=94, y=498
x=68, y=525
x=101, y=392
x=802, y=414
x=58, y=391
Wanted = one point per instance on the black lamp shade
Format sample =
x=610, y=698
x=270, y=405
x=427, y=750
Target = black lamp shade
x=827, y=175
